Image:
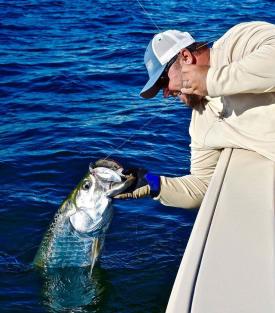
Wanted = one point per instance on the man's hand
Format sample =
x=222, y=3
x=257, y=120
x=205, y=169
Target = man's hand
x=137, y=193
x=142, y=186
x=194, y=79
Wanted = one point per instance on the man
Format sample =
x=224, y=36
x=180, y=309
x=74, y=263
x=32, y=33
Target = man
x=231, y=88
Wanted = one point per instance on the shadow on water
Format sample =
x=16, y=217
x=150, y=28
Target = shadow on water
x=73, y=289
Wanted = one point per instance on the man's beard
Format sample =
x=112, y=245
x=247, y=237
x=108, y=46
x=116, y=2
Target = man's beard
x=196, y=102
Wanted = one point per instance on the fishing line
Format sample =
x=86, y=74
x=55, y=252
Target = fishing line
x=148, y=15
x=157, y=27
x=145, y=12
x=133, y=135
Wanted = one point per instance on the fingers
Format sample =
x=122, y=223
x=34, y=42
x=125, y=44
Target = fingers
x=188, y=91
x=194, y=79
x=186, y=84
x=124, y=196
x=187, y=87
x=136, y=194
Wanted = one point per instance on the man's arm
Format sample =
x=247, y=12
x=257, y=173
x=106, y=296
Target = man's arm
x=255, y=73
x=250, y=49
x=252, y=72
x=188, y=191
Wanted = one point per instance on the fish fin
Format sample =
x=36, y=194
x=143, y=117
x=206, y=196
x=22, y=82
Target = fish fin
x=96, y=248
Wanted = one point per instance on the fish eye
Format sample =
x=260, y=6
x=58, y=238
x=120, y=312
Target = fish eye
x=86, y=185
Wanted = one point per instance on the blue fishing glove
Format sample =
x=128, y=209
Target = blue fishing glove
x=146, y=184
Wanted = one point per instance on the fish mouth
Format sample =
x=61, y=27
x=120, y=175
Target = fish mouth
x=118, y=187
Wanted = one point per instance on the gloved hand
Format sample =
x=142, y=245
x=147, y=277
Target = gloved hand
x=146, y=184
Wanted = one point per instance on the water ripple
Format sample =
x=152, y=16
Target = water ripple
x=71, y=72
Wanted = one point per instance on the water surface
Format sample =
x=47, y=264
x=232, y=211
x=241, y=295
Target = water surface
x=71, y=72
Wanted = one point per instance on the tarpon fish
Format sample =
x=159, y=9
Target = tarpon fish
x=76, y=235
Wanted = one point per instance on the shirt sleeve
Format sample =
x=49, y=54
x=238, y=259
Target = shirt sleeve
x=188, y=191
x=254, y=73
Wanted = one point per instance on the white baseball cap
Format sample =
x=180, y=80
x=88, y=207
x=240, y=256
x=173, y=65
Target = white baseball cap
x=161, y=49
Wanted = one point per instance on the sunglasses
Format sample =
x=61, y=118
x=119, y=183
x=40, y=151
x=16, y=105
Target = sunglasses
x=163, y=81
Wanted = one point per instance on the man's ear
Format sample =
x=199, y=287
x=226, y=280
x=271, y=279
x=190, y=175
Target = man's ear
x=187, y=57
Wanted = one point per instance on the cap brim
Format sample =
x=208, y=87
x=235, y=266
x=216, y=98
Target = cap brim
x=151, y=89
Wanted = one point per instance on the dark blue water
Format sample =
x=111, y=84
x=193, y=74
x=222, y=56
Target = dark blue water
x=71, y=72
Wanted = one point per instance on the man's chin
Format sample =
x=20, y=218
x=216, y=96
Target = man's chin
x=193, y=101
x=183, y=98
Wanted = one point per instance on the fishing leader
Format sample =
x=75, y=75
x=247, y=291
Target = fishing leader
x=231, y=89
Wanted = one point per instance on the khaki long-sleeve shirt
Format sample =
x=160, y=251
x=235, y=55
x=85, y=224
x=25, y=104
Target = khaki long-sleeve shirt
x=240, y=112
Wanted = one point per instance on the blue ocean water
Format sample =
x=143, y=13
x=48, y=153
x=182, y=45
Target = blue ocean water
x=71, y=72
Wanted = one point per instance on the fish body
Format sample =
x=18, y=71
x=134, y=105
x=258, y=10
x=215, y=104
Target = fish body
x=76, y=235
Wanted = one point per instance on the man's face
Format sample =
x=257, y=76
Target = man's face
x=176, y=83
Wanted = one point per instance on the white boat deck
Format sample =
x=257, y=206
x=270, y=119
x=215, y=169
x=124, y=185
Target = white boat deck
x=229, y=263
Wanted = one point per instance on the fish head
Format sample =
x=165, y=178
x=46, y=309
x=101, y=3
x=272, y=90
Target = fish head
x=96, y=187
x=103, y=180
x=93, y=194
